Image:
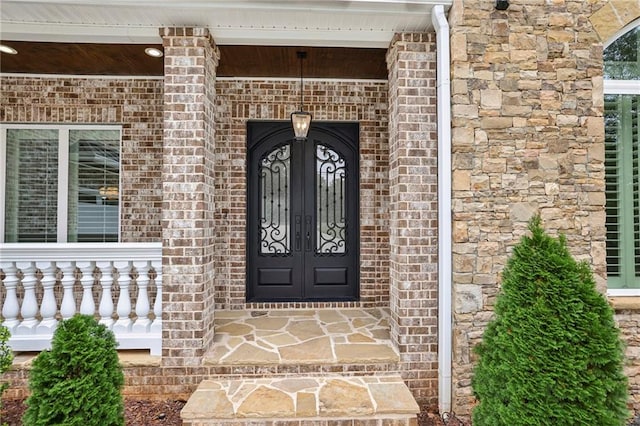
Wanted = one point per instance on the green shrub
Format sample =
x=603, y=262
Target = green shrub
x=6, y=356
x=552, y=355
x=78, y=381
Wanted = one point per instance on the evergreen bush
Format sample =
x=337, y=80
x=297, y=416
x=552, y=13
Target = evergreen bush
x=6, y=356
x=78, y=381
x=552, y=355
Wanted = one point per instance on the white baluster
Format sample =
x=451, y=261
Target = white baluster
x=123, y=324
x=68, y=305
x=105, y=309
x=142, y=322
x=156, y=326
x=29, y=307
x=48, y=307
x=87, y=306
x=11, y=307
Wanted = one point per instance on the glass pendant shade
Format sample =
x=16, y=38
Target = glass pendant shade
x=301, y=120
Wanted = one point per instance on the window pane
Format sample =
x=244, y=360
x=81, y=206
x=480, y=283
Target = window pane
x=330, y=201
x=622, y=57
x=622, y=189
x=31, y=191
x=275, y=236
x=612, y=180
x=94, y=185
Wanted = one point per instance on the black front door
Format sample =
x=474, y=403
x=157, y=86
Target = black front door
x=302, y=212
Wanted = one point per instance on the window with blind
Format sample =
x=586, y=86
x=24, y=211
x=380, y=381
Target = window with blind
x=59, y=183
x=622, y=162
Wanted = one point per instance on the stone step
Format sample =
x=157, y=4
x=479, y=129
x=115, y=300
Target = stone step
x=302, y=337
x=334, y=400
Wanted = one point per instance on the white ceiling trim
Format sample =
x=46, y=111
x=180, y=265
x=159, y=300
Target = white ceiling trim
x=65, y=33
x=332, y=23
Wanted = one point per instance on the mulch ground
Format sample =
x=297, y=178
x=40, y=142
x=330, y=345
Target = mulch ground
x=429, y=417
x=167, y=413
x=137, y=412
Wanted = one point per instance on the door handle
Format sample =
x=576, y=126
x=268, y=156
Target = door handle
x=307, y=228
x=298, y=233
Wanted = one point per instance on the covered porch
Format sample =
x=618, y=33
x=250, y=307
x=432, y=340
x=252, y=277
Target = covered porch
x=193, y=132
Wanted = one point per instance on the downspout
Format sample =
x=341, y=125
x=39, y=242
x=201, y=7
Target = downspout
x=445, y=336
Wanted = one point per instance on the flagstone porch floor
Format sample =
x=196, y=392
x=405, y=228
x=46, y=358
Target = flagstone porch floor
x=314, y=336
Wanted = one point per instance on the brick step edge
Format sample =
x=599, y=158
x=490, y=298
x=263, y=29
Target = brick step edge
x=386, y=421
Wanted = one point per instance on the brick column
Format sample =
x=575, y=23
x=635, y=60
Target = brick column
x=191, y=58
x=413, y=175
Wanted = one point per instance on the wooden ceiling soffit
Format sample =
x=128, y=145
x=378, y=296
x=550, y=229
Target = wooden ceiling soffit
x=235, y=61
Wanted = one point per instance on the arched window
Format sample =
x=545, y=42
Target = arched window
x=622, y=161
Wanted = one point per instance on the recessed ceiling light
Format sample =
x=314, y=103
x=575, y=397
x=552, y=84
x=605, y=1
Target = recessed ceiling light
x=6, y=49
x=153, y=52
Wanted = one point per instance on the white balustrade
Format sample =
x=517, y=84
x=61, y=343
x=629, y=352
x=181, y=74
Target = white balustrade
x=87, y=306
x=68, y=305
x=11, y=306
x=142, y=303
x=106, y=301
x=48, y=306
x=39, y=272
x=123, y=324
x=156, y=327
x=29, y=308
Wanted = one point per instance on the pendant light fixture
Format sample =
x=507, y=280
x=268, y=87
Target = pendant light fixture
x=301, y=120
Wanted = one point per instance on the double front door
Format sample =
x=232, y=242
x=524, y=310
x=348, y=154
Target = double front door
x=302, y=212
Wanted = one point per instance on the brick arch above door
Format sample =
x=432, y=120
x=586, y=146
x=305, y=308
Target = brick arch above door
x=613, y=17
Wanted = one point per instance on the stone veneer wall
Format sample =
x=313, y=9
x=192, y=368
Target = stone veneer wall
x=413, y=174
x=135, y=103
x=527, y=124
x=264, y=99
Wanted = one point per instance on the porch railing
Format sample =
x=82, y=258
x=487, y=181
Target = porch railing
x=118, y=283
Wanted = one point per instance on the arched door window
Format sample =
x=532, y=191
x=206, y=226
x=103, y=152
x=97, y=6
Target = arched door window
x=622, y=161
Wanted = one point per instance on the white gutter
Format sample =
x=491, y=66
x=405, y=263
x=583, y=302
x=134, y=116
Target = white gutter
x=445, y=337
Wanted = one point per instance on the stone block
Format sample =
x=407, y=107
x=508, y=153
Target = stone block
x=491, y=98
x=496, y=122
x=494, y=165
x=458, y=47
x=561, y=36
x=566, y=120
x=462, y=135
x=468, y=298
x=480, y=183
x=461, y=180
x=465, y=111
x=460, y=232
x=595, y=126
x=606, y=21
x=521, y=41
x=522, y=212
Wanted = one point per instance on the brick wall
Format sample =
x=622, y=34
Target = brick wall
x=136, y=104
x=527, y=137
x=242, y=100
x=413, y=173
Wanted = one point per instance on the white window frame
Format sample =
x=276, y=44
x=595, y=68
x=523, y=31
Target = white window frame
x=622, y=87
x=63, y=170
